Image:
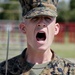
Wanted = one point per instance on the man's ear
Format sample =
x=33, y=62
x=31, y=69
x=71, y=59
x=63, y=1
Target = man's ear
x=57, y=27
x=22, y=28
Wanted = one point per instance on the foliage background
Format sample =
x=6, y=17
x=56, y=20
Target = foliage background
x=11, y=10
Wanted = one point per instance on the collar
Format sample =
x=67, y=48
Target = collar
x=20, y=65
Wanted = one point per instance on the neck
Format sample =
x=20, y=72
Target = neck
x=38, y=57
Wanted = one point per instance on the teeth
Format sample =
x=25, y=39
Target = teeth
x=40, y=32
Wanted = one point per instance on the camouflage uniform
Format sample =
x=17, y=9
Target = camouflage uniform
x=19, y=65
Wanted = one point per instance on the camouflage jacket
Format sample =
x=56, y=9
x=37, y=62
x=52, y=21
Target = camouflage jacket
x=18, y=65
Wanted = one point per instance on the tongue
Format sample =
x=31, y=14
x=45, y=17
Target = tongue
x=40, y=39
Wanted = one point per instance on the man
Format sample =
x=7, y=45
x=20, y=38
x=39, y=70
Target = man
x=39, y=25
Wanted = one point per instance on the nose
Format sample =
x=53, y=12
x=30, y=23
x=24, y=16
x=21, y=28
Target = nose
x=41, y=24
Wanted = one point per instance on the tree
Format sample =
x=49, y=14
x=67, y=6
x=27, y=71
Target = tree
x=72, y=4
x=72, y=10
x=10, y=10
x=63, y=11
x=72, y=16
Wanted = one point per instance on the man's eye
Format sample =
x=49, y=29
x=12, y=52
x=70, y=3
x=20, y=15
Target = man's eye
x=35, y=19
x=48, y=19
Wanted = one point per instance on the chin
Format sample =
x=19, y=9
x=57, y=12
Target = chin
x=42, y=49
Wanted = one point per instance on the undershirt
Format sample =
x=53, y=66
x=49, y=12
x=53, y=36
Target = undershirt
x=37, y=68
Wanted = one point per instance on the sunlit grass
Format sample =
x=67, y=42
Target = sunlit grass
x=64, y=50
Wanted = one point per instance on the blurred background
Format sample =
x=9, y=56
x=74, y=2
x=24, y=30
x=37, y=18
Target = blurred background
x=11, y=16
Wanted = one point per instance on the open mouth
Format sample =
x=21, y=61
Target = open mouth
x=41, y=36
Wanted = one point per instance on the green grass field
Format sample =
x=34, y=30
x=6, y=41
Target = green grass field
x=66, y=50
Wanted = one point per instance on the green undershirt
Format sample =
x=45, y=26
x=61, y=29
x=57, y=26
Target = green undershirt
x=37, y=68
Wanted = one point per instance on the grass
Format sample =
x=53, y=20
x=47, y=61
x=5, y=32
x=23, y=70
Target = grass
x=66, y=50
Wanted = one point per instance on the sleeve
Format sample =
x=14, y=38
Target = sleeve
x=14, y=67
x=2, y=68
x=71, y=69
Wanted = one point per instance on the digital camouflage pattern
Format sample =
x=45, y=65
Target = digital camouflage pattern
x=19, y=66
x=32, y=8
